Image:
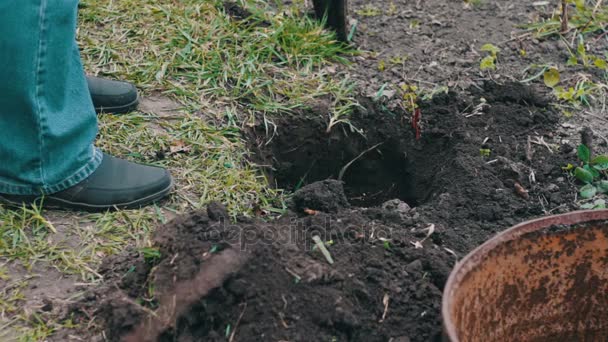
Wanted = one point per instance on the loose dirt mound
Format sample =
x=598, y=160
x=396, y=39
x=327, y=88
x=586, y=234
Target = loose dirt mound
x=281, y=288
x=255, y=280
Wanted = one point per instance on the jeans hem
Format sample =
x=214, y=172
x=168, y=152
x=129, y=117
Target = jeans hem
x=77, y=177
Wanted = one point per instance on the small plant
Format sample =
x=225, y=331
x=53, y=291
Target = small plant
x=489, y=61
x=583, y=18
x=343, y=105
x=597, y=204
x=580, y=94
x=369, y=10
x=584, y=58
x=386, y=244
x=150, y=254
x=472, y=3
x=410, y=97
x=592, y=172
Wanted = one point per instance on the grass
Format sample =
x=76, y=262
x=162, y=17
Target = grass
x=227, y=75
x=267, y=64
x=586, y=17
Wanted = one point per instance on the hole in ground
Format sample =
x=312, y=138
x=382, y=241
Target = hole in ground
x=301, y=152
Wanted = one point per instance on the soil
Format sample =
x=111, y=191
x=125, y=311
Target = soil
x=395, y=211
x=265, y=280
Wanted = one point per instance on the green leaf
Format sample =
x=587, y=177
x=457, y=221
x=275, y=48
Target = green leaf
x=583, y=153
x=600, y=167
x=487, y=63
x=602, y=186
x=572, y=61
x=551, y=77
x=600, y=64
x=603, y=159
x=588, y=206
x=491, y=48
x=583, y=175
x=593, y=171
x=600, y=204
x=581, y=49
x=580, y=4
x=588, y=191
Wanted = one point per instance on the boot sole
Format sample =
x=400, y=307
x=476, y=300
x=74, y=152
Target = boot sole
x=62, y=204
x=119, y=109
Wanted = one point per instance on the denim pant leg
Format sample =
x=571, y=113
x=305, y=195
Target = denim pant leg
x=47, y=119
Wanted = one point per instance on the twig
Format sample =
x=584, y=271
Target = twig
x=598, y=5
x=564, y=16
x=236, y=326
x=541, y=141
x=343, y=170
x=529, y=149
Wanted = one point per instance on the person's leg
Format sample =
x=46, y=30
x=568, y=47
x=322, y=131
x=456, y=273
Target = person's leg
x=46, y=115
x=48, y=122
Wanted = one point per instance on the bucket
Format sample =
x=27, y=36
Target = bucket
x=542, y=280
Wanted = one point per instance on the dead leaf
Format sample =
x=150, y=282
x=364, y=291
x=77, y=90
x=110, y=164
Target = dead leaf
x=310, y=212
x=385, y=301
x=416, y=244
x=179, y=146
x=450, y=251
x=430, y=230
x=521, y=191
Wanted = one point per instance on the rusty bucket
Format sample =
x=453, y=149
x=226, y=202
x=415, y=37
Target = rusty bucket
x=542, y=280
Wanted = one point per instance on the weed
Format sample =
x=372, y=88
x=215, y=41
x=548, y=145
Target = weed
x=150, y=254
x=597, y=204
x=369, y=10
x=489, y=61
x=584, y=18
x=592, y=172
x=386, y=244
x=584, y=58
x=473, y=3
x=343, y=104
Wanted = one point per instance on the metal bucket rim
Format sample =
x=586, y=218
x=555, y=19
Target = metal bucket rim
x=472, y=259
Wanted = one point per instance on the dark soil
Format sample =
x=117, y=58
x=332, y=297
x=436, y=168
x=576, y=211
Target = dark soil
x=265, y=280
x=437, y=42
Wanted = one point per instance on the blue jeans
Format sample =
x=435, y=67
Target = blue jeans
x=47, y=120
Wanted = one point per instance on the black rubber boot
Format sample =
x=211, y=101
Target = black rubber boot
x=112, y=97
x=116, y=184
